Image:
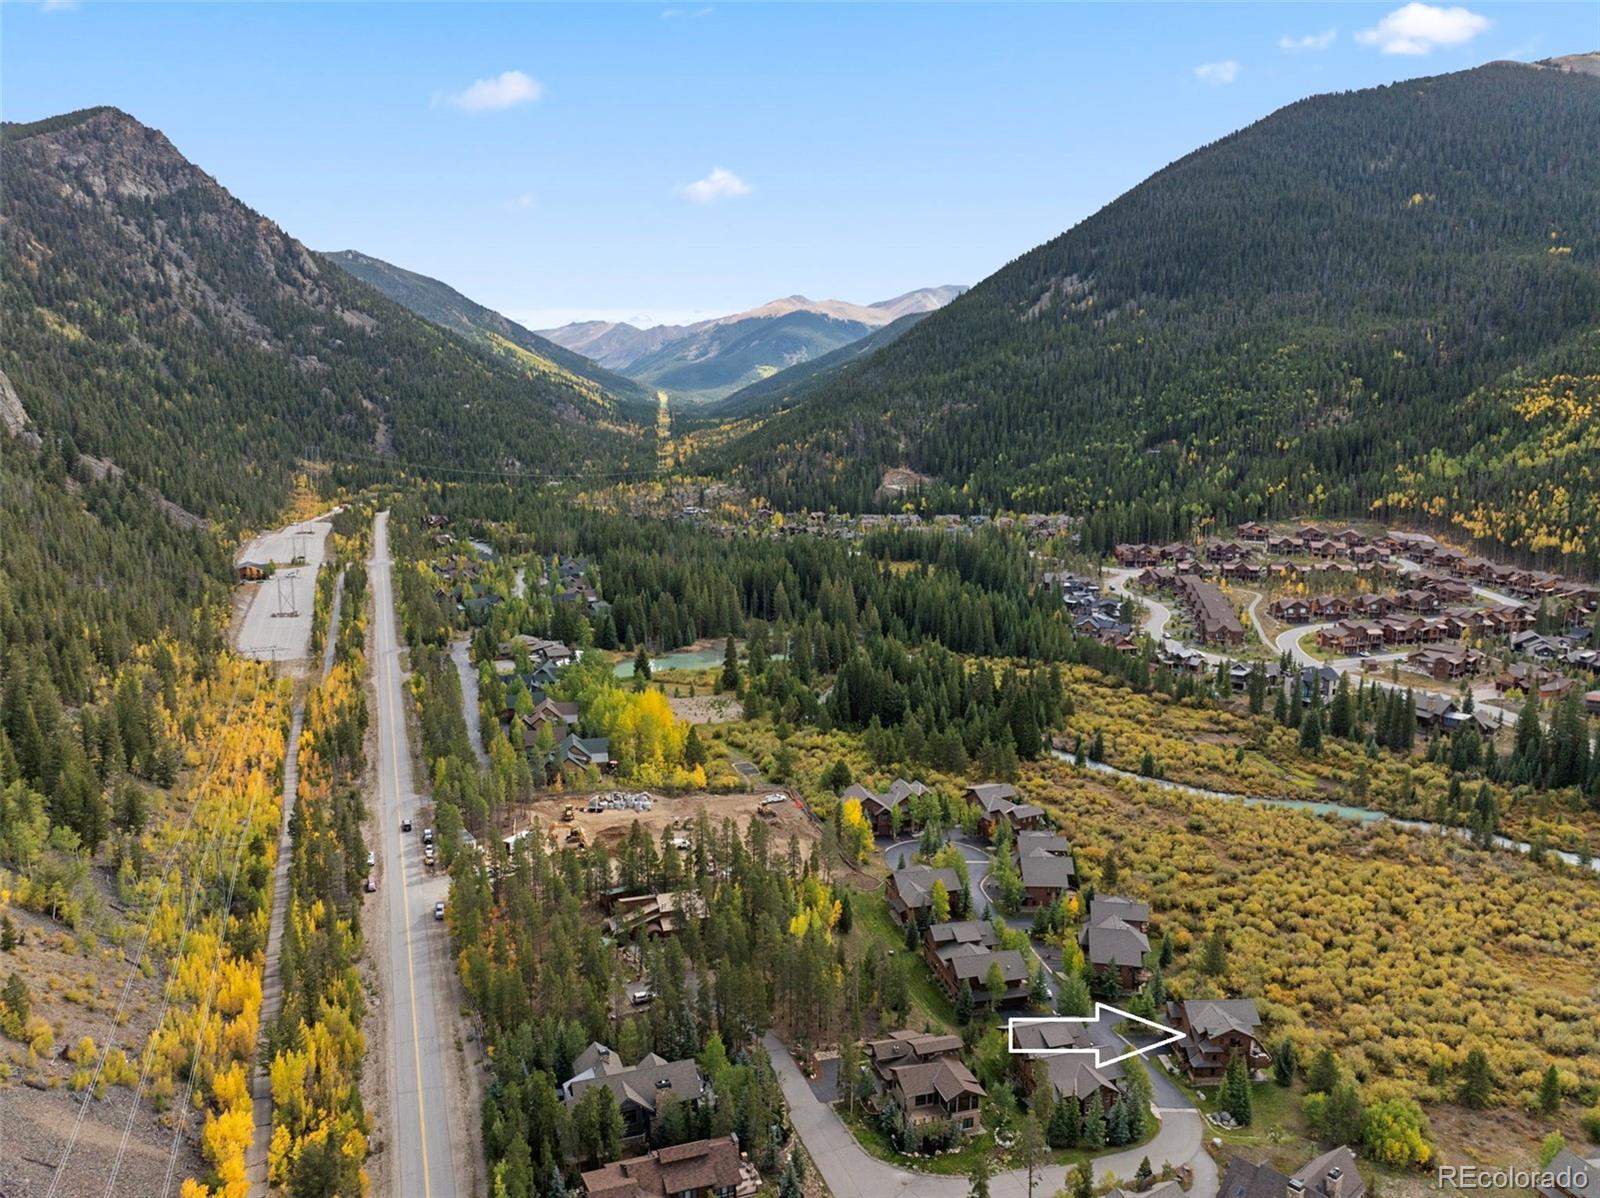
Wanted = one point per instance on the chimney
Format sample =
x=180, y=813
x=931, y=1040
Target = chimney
x=1295, y=1188
x=1335, y=1182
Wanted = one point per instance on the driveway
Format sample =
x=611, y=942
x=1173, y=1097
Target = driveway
x=851, y=1172
x=973, y=852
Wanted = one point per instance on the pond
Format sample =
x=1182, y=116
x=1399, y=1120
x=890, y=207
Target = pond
x=678, y=659
x=1362, y=815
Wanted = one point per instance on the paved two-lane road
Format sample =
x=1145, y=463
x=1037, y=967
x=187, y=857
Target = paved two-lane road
x=421, y=1037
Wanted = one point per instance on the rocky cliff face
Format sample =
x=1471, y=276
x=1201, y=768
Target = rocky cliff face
x=109, y=166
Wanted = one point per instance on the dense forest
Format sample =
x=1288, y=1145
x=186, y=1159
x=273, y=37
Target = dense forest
x=544, y=980
x=1275, y=324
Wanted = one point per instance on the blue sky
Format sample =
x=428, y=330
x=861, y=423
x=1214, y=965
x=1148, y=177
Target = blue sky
x=671, y=161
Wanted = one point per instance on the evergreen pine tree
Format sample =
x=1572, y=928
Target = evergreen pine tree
x=1064, y=1123
x=1235, y=1097
x=1477, y=1082
x=1550, y=1092
x=1117, y=1124
x=1324, y=1072
x=1285, y=1062
x=1093, y=1133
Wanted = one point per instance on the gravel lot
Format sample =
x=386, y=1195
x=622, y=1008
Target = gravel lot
x=263, y=633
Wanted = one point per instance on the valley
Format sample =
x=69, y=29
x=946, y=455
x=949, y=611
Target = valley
x=1129, y=727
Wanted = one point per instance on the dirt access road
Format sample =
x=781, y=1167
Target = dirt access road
x=608, y=828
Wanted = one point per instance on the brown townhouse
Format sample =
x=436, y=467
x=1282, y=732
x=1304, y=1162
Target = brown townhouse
x=996, y=803
x=880, y=808
x=1115, y=941
x=1446, y=664
x=1370, y=607
x=1071, y=1075
x=1215, y=621
x=1417, y=599
x=910, y=890
x=1044, y=860
x=963, y=950
x=1290, y=611
x=699, y=1169
x=927, y=1079
x=1330, y=607
x=639, y=1088
x=1350, y=637
x=1215, y=1031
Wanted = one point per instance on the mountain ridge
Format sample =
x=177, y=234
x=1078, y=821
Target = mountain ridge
x=437, y=301
x=709, y=359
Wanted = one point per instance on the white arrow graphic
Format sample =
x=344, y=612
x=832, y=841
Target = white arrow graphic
x=1169, y=1035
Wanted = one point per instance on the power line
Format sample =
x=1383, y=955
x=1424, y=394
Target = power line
x=138, y=960
x=528, y=475
x=166, y=995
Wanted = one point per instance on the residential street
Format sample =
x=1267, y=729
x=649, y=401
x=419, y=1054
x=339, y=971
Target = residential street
x=460, y=653
x=1158, y=615
x=421, y=1031
x=851, y=1172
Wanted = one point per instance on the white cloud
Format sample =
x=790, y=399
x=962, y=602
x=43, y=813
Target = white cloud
x=1421, y=28
x=520, y=203
x=1217, y=73
x=720, y=184
x=1311, y=41
x=505, y=90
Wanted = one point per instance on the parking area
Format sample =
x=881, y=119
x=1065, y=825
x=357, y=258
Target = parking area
x=276, y=625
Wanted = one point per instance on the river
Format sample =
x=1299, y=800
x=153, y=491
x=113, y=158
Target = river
x=1362, y=815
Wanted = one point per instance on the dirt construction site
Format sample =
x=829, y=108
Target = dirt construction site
x=569, y=817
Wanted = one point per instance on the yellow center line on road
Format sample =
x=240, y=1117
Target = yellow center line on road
x=394, y=778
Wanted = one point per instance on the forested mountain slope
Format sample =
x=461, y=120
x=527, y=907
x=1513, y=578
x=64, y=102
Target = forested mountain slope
x=155, y=321
x=1278, y=322
x=447, y=307
x=794, y=384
